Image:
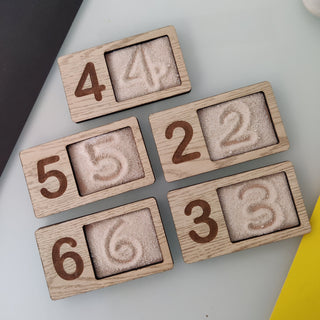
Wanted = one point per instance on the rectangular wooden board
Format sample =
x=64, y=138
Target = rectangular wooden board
x=201, y=223
x=66, y=277
x=50, y=176
x=91, y=63
x=182, y=145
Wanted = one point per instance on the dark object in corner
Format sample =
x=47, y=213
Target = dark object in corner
x=31, y=34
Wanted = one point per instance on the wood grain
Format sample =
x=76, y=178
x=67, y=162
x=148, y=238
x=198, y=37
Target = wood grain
x=48, y=236
x=87, y=107
x=221, y=244
x=161, y=121
x=71, y=198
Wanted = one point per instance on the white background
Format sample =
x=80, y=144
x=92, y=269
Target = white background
x=226, y=45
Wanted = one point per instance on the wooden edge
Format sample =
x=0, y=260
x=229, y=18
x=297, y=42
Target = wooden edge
x=301, y=229
x=87, y=134
x=179, y=60
x=124, y=42
x=148, y=178
x=275, y=117
x=77, y=109
x=238, y=177
x=142, y=150
x=168, y=31
x=78, y=223
x=217, y=99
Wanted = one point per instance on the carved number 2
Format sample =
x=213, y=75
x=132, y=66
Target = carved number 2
x=96, y=89
x=178, y=157
x=204, y=218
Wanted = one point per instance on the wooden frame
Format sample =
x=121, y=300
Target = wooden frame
x=221, y=244
x=93, y=61
x=190, y=142
x=58, y=173
x=84, y=279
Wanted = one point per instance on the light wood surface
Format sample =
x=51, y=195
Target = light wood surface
x=85, y=280
x=70, y=197
x=194, y=251
x=86, y=107
x=161, y=121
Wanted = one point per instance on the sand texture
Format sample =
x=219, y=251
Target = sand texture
x=143, y=68
x=123, y=243
x=105, y=161
x=237, y=126
x=258, y=206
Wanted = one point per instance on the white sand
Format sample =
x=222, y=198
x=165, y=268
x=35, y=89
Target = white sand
x=141, y=69
x=237, y=126
x=123, y=243
x=258, y=206
x=105, y=161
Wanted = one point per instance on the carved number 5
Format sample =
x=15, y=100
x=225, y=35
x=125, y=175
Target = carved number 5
x=43, y=176
x=58, y=260
x=204, y=218
x=178, y=157
x=96, y=89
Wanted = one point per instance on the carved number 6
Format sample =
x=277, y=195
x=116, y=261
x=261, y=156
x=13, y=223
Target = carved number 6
x=204, y=218
x=58, y=260
x=178, y=157
x=43, y=176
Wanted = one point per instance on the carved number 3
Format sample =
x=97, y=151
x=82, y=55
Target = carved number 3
x=58, y=260
x=96, y=89
x=204, y=218
x=178, y=157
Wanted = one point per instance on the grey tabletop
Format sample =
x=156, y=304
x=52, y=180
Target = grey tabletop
x=226, y=45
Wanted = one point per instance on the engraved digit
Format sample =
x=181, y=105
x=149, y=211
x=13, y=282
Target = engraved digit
x=95, y=89
x=122, y=250
x=239, y=133
x=264, y=203
x=43, y=176
x=114, y=158
x=204, y=218
x=58, y=260
x=178, y=157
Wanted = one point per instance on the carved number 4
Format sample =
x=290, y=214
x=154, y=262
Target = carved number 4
x=95, y=89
